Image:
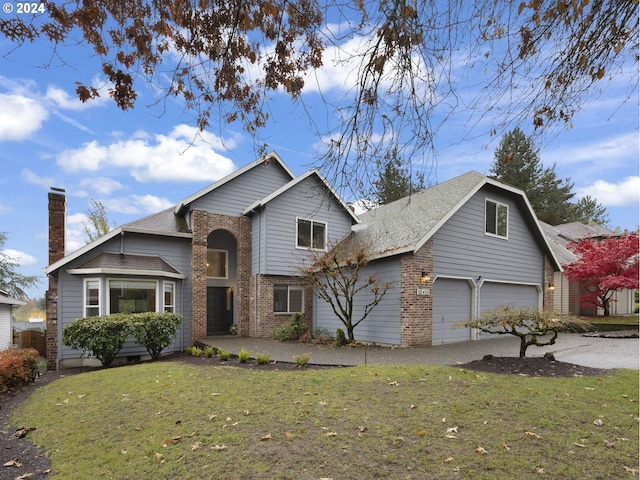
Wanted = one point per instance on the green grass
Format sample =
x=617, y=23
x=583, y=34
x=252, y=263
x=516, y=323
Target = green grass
x=173, y=420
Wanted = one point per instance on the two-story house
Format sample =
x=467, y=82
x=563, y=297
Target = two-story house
x=228, y=258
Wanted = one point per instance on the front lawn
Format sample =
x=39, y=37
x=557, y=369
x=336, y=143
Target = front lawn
x=175, y=420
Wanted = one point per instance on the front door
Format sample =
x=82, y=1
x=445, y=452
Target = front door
x=219, y=310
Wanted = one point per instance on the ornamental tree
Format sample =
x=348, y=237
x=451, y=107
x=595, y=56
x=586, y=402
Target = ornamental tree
x=532, y=326
x=337, y=277
x=604, y=267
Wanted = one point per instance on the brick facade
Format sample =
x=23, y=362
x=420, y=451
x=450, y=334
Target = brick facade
x=264, y=318
x=203, y=223
x=416, y=311
x=57, y=222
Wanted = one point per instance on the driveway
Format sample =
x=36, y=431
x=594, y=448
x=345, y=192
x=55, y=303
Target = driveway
x=572, y=348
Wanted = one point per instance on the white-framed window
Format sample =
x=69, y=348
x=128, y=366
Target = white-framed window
x=217, y=263
x=496, y=218
x=91, y=297
x=311, y=234
x=132, y=296
x=169, y=297
x=288, y=298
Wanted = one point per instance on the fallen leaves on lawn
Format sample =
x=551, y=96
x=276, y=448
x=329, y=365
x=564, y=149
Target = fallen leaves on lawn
x=13, y=463
x=266, y=437
x=598, y=422
x=481, y=451
x=532, y=435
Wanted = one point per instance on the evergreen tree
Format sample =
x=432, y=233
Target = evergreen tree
x=11, y=281
x=588, y=210
x=517, y=163
x=394, y=180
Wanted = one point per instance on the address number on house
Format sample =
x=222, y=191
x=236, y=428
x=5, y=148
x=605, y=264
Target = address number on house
x=423, y=291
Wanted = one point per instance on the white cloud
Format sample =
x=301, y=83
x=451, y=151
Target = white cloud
x=622, y=194
x=101, y=185
x=76, y=236
x=136, y=204
x=21, y=258
x=602, y=152
x=182, y=155
x=4, y=209
x=20, y=117
x=34, y=179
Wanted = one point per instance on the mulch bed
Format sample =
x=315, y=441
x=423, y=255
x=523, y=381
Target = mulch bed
x=33, y=462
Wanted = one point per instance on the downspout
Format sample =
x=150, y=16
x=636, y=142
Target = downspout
x=121, y=242
x=255, y=286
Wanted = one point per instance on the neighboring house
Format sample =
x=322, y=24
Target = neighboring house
x=453, y=251
x=6, y=319
x=567, y=294
x=229, y=256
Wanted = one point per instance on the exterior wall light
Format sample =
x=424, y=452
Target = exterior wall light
x=424, y=277
x=551, y=287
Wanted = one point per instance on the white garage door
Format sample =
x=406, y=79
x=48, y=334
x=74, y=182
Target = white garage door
x=494, y=295
x=451, y=305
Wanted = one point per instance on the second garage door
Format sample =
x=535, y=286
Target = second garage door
x=451, y=305
x=493, y=295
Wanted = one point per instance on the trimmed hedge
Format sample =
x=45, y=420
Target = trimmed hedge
x=103, y=336
x=18, y=366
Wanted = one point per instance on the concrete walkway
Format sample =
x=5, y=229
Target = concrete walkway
x=573, y=348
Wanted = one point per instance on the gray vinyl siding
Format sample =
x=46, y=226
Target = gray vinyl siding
x=234, y=196
x=175, y=251
x=5, y=326
x=383, y=323
x=308, y=199
x=461, y=248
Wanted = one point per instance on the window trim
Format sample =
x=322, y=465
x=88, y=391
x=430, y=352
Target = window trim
x=319, y=222
x=289, y=287
x=172, y=306
x=226, y=262
x=498, y=205
x=157, y=290
x=86, y=306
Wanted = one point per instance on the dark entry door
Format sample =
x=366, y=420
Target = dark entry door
x=219, y=310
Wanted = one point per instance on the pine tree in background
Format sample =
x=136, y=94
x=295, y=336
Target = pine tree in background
x=394, y=180
x=12, y=282
x=517, y=163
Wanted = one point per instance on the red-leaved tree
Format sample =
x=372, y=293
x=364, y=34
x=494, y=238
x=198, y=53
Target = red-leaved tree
x=604, y=267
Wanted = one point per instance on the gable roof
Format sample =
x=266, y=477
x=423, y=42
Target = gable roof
x=293, y=183
x=269, y=157
x=407, y=224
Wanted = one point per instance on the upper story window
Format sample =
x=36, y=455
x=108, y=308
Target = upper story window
x=311, y=234
x=217, y=263
x=91, y=297
x=496, y=218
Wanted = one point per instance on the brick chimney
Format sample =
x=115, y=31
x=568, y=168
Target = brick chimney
x=57, y=223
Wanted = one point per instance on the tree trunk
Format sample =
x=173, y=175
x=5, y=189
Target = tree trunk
x=523, y=346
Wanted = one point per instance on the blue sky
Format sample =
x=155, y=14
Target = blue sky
x=144, y=160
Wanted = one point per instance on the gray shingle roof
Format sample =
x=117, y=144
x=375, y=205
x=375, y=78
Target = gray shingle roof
x=406, y=224
x=577, y=231
x=165, y=221
x=558, y=244
x=126, y=261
